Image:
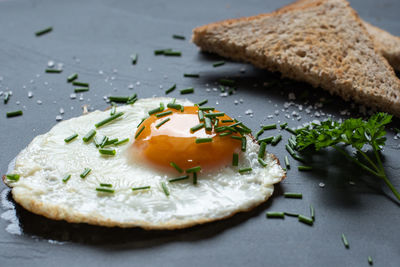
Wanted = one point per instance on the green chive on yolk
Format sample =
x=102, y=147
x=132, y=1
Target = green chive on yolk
x=173, y=137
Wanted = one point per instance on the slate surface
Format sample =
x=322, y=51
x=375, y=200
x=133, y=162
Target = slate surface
x=94, y=37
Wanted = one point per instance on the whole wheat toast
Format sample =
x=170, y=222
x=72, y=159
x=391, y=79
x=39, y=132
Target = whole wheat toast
x=322, y=42
x=387, y=44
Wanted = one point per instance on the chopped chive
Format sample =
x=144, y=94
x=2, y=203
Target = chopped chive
x=187, y=91
x=72, y=77
x=174, y=106
x=225, y=121
x=177, y=36
x=291, y=214
x=132, y=99
x=237, y=137
x=225, y=134
x=194, y=169
x=218, y=63
x=197, y=127
x=269, y=127
x=283, y=125
x=80, y=90
x=276, y=140
x=216, y=122
x=89, y=136
x=162, y=122
x=76, y=83
x=261, y=150
x=109, y=119
x=260, y=132
x=70, y=138
x=179, y=179
x=305, y=219
x=85, y=173
x=113, y=109
x=266, y=140
x=290, y=150
x=109, y=152
x=200, y=113
x=165, y=188
x=96, y=142
x=162, y=107
x=202, y=102
x=221, y=129
x=105, y=185
x=105, y=190
x=244, y=143
x=163, y=113
x=262, y=162
x=290, y=130
x=162, y=51
x=140, y=123
x=118, y=99
x=235, y=159
x=345, y=242
x=123, y=141
x=312, y=212
x=191, y=75
x=44, y=31
x=182, y=108
x=66, y=178
x=134, y=58
x=174, y=165
x=154, y=111
x=169, y=90
x=203, y=140
x=215, y=114
x=195, y=178
x=103, y=141
x=370, y=261
x=139, y=132
x=273, y=214
x=13, y=177
x=208, y=124
x=304, y=168
x=53, y=71
x=110, y=142
x=222, y=88
x=206, y=108
x=226, y=82
x=6, y=97
x=287, y=163
x=14, y=113
x=140, y=188
x=172, y=53
x=293, y=195
x=243, y=170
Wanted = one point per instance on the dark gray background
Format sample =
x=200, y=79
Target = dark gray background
x=90, y=36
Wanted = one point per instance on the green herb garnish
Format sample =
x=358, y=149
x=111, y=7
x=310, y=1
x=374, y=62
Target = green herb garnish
x=193, y=169
x=44, y=31
x=235, y=159
x=70, y=138
x=191, y=75
x=123, y=141
x=243, y=170
x=305, y=219
x=53, y=71
x=108, y=152
x=197, y=127
x=158, y=125
x=66, y=178
x=187, y=91
x=134, y=58
x=109, y=119
x=203, y=140
x=345, y=242
x=72, y=77
x=177, y=36
x=140, y=188
x=105, y=190
x=14, y=113
x=218, y=63
x=273, y=214
x=179, y=179
x=169, y=90
x=293, y=195
x=165, y=188
x=76, y=83
x=13, y=177
x=85, y=172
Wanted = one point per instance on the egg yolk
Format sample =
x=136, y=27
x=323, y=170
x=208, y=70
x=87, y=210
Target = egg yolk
x=174, y=142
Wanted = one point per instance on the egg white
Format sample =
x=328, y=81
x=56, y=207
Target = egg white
x=47, y=159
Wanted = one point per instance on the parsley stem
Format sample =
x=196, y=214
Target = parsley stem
x=368, y=159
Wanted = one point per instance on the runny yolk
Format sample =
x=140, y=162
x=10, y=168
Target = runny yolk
x=175, y=142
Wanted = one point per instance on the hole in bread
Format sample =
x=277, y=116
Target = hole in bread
x=301, y=53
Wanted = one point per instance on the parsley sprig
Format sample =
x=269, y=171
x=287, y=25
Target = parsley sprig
x=354, y=132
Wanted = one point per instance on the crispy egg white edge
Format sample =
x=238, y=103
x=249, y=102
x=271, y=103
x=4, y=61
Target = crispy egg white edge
x=47, y=159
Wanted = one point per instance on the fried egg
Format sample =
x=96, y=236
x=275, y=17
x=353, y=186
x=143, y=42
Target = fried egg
x=169, y=175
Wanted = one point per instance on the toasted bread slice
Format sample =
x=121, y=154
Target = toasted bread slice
x=320, y=42
x=387, y=44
